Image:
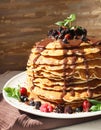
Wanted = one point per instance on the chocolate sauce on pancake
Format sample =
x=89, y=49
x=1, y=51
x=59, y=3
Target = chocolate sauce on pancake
x=41, y=47
x=67, y=77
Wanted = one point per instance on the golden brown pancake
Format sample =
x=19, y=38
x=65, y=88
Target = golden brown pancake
x=65, y=73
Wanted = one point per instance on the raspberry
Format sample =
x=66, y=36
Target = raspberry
x=86, y=106
x=43, y=108
x=50, y=108
x=23, y=91
x=46, y=108
x=67, y=36
x=44, y=105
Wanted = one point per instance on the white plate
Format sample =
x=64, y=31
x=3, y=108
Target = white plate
x=20, y=79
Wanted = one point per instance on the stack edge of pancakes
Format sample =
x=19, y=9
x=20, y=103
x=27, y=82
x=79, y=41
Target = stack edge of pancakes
x=64, y=69
x=65, y=73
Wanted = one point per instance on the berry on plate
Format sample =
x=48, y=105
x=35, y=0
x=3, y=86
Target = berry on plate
x=46, y=108
x=86, y=105
x=23, y=91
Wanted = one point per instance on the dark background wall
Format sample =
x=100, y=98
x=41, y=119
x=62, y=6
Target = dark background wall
x=23, y=22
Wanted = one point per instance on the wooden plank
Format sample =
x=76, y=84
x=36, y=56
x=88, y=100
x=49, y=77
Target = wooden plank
x=23, y=22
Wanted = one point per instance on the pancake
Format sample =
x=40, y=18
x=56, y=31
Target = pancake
x=65, y=73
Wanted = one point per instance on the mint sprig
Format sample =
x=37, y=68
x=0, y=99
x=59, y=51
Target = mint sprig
x=67, y=22
x=94, y=101
x=96, y=105
x=13, y=92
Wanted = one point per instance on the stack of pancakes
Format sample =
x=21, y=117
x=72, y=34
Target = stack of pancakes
x=65, y=73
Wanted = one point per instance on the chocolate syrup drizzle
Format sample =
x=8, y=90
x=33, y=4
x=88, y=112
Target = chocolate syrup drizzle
x=66, y=82
x=41, y=46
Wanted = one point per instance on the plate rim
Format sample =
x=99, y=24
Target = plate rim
x=27, y=108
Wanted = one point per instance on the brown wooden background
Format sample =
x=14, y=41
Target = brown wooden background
x=23, y=22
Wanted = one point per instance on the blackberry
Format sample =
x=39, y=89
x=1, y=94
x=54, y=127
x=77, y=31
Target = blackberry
x=65, y=40
x=79, y=32
x=54, y=33
x=66, y=34
x=61, y=36
x=75, y=37
x=60, y=29
x=23, y=98
x=63, y=32
x=83, y=38
x=67, y=30
x=50, y=32
x=84, y=31
x=56, y=37
x=72, y=33
x=79, y=109
x=26, y=99
x=68, y=109
x=59, y=109
x=31, y=103
x=37, y=104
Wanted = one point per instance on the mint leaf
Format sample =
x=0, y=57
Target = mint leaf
x=67, y=22
x=96, y=107
x=9, y=91
x=94, y=101
x=60, y=23
x=72, y=17
x=17, y=93
x=12, y=92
